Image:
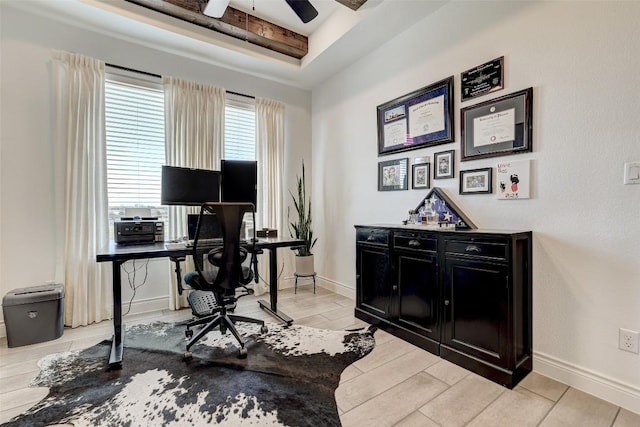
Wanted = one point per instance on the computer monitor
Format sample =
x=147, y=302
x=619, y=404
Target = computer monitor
x=239, y=181
x=210, y=228
x=189, y=187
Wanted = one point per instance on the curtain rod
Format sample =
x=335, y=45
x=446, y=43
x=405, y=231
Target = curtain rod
x=119, y=67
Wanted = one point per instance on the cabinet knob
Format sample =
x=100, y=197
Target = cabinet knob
x=446, y=302
x=414, y=243
x=472, y=248
x=395, y=287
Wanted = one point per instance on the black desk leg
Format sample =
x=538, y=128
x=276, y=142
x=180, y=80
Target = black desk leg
x=117, y=343
x=273, y=289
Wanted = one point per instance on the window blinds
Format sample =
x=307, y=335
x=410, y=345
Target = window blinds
x=135, y=144
x=239, y=128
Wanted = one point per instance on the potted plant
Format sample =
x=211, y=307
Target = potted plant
x=300, y=228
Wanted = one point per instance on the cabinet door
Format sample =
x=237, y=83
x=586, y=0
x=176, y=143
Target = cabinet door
x=476, y=308
x=417, y=276
x=374, y=284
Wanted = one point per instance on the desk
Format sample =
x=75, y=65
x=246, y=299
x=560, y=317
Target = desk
x=119, y=254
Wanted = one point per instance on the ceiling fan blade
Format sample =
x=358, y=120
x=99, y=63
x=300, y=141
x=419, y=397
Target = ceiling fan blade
x=304, y=9
x=216, y=8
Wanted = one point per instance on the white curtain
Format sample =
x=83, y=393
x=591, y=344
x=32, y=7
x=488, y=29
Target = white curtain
x=194, y=130
x=79, y=131
x=270, y=156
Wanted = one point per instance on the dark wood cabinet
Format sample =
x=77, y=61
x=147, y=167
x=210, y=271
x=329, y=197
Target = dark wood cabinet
x=416, y=277
x=464, y=295
x=374, y=269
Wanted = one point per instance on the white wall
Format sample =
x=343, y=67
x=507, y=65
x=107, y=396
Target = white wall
x=583, y=61
x=31, y=199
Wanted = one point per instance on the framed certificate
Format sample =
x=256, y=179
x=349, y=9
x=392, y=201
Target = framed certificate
x=497, y=127
x=418, y=119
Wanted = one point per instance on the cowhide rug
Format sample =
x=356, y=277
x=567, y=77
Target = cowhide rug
x=288, y=378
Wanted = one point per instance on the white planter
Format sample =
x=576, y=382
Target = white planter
x=304, y=265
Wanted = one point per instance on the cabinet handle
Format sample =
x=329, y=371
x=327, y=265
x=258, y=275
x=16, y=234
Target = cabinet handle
x=371, y=239
x=472, y=248
x=414, y=243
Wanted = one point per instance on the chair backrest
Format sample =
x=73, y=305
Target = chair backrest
x=230, y=253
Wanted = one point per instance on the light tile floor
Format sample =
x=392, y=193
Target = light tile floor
x=397, y=384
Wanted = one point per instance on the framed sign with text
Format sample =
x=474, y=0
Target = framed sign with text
x=483, y=79
x=418, y=119
x=497, y=127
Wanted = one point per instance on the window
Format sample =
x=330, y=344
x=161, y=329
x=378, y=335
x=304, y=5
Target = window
x=239, y=128
x=134, y=112
x=240, y=132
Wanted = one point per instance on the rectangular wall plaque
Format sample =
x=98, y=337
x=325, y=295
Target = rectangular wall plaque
x=483, y=79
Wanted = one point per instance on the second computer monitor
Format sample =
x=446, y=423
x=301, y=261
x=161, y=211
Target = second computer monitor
x=239, y=181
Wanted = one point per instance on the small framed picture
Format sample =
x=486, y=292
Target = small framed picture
x=421, y=174
x=392, y=175
x=443, y=164
x=476, y=181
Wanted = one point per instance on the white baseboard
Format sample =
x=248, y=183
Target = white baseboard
x=337, y=287
x=322, y=282
x=617, y=392
x=143, y=306
x=148, y=305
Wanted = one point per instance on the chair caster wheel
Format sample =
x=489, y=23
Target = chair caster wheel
x=187, y=356
x=242, y=353
x=188, y=333
x=264, y=329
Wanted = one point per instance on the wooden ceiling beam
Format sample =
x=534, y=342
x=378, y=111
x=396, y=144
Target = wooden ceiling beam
x=352, y=4
x=234, y=23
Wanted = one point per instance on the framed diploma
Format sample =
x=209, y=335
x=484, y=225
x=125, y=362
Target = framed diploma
x=392, y=175
x=497, y=127
x=418, y=119
x=483, y=79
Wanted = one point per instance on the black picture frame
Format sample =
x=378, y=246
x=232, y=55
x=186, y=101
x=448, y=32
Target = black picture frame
x=444, y=164
x=393, y=175
x=482, y=79
x=476, y=181
x=420, y=176
x=497, y=127
x=418, y=119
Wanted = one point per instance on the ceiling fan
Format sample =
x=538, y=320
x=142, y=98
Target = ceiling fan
x=303, y=8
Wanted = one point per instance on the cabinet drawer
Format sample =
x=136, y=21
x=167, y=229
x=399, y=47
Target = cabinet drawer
x=415, y=242
x=476, y=248
x=372, y=235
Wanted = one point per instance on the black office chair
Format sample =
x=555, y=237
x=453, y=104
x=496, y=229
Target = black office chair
x=225, y=274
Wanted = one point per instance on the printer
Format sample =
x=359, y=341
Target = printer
x=136, y=230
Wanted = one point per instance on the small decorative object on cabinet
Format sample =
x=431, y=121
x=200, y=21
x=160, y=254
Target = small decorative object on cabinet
x=464, y=295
